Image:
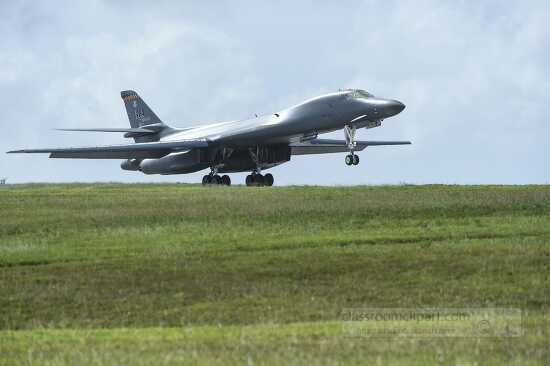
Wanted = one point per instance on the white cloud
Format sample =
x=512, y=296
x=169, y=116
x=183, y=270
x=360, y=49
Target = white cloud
x=474, y=77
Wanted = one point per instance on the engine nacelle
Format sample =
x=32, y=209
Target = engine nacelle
x=130, y=164
x=175, y=163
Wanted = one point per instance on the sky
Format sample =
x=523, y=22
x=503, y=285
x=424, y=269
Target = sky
x=475, y=77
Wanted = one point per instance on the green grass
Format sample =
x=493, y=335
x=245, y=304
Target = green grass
x=114, y=273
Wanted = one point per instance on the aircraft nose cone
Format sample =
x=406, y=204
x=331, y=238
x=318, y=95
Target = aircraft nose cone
x=395, y=107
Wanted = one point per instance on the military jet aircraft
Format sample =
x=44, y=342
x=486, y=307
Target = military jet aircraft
x=249, y=145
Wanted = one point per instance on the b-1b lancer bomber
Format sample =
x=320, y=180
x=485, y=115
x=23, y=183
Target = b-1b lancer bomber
x=249, y=145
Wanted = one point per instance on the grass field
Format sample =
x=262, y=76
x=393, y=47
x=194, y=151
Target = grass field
x=142, y=274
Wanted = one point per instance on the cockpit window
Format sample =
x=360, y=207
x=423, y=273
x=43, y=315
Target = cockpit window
x=358, y=93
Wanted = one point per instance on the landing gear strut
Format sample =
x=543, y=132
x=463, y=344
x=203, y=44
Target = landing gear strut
x=256, y=178
x=214, y=179
x=349, y=133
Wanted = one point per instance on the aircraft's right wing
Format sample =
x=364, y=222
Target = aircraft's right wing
x=142, y=150
x=324, y=146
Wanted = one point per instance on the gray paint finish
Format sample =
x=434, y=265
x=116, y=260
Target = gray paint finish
x=253, y=144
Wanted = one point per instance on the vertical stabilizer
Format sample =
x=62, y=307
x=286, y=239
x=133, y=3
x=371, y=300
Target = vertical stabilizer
x=138, y=111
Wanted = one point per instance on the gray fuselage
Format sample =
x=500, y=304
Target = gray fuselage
x=233, y=145
x=318, y=115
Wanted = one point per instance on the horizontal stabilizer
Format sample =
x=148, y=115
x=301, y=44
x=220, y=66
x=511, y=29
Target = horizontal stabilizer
x=324, y=146
x=133, y=151
x=134, y=130
x=143, y=130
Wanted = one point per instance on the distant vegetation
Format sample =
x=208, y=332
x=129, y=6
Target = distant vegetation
x=145, y=274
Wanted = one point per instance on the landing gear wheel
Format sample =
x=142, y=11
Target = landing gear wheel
x=215, y=179
x=268, y=179
x=249, y=180
x=226, y=181
x=205, y=180
x=355, y=159
x=259, y=179
x=349, y=159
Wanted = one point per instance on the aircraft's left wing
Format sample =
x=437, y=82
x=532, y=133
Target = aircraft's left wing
x=141, y=150
x=324, y=146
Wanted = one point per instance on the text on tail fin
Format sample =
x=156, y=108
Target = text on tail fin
x=139, y=113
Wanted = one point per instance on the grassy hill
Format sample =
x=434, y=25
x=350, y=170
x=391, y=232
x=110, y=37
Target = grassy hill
x=141, y=274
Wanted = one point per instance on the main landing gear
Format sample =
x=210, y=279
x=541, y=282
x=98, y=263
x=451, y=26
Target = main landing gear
x=349, y=133
x=256, y=179
x=215, y=179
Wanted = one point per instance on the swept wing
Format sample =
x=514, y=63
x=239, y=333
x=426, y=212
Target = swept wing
x=141, y=150
x=324, y=146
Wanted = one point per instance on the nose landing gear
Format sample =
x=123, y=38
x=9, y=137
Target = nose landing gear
x=352, y=159
x=349, y=133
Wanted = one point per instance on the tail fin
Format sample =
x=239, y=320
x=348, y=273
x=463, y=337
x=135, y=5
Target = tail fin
x=138, y=111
